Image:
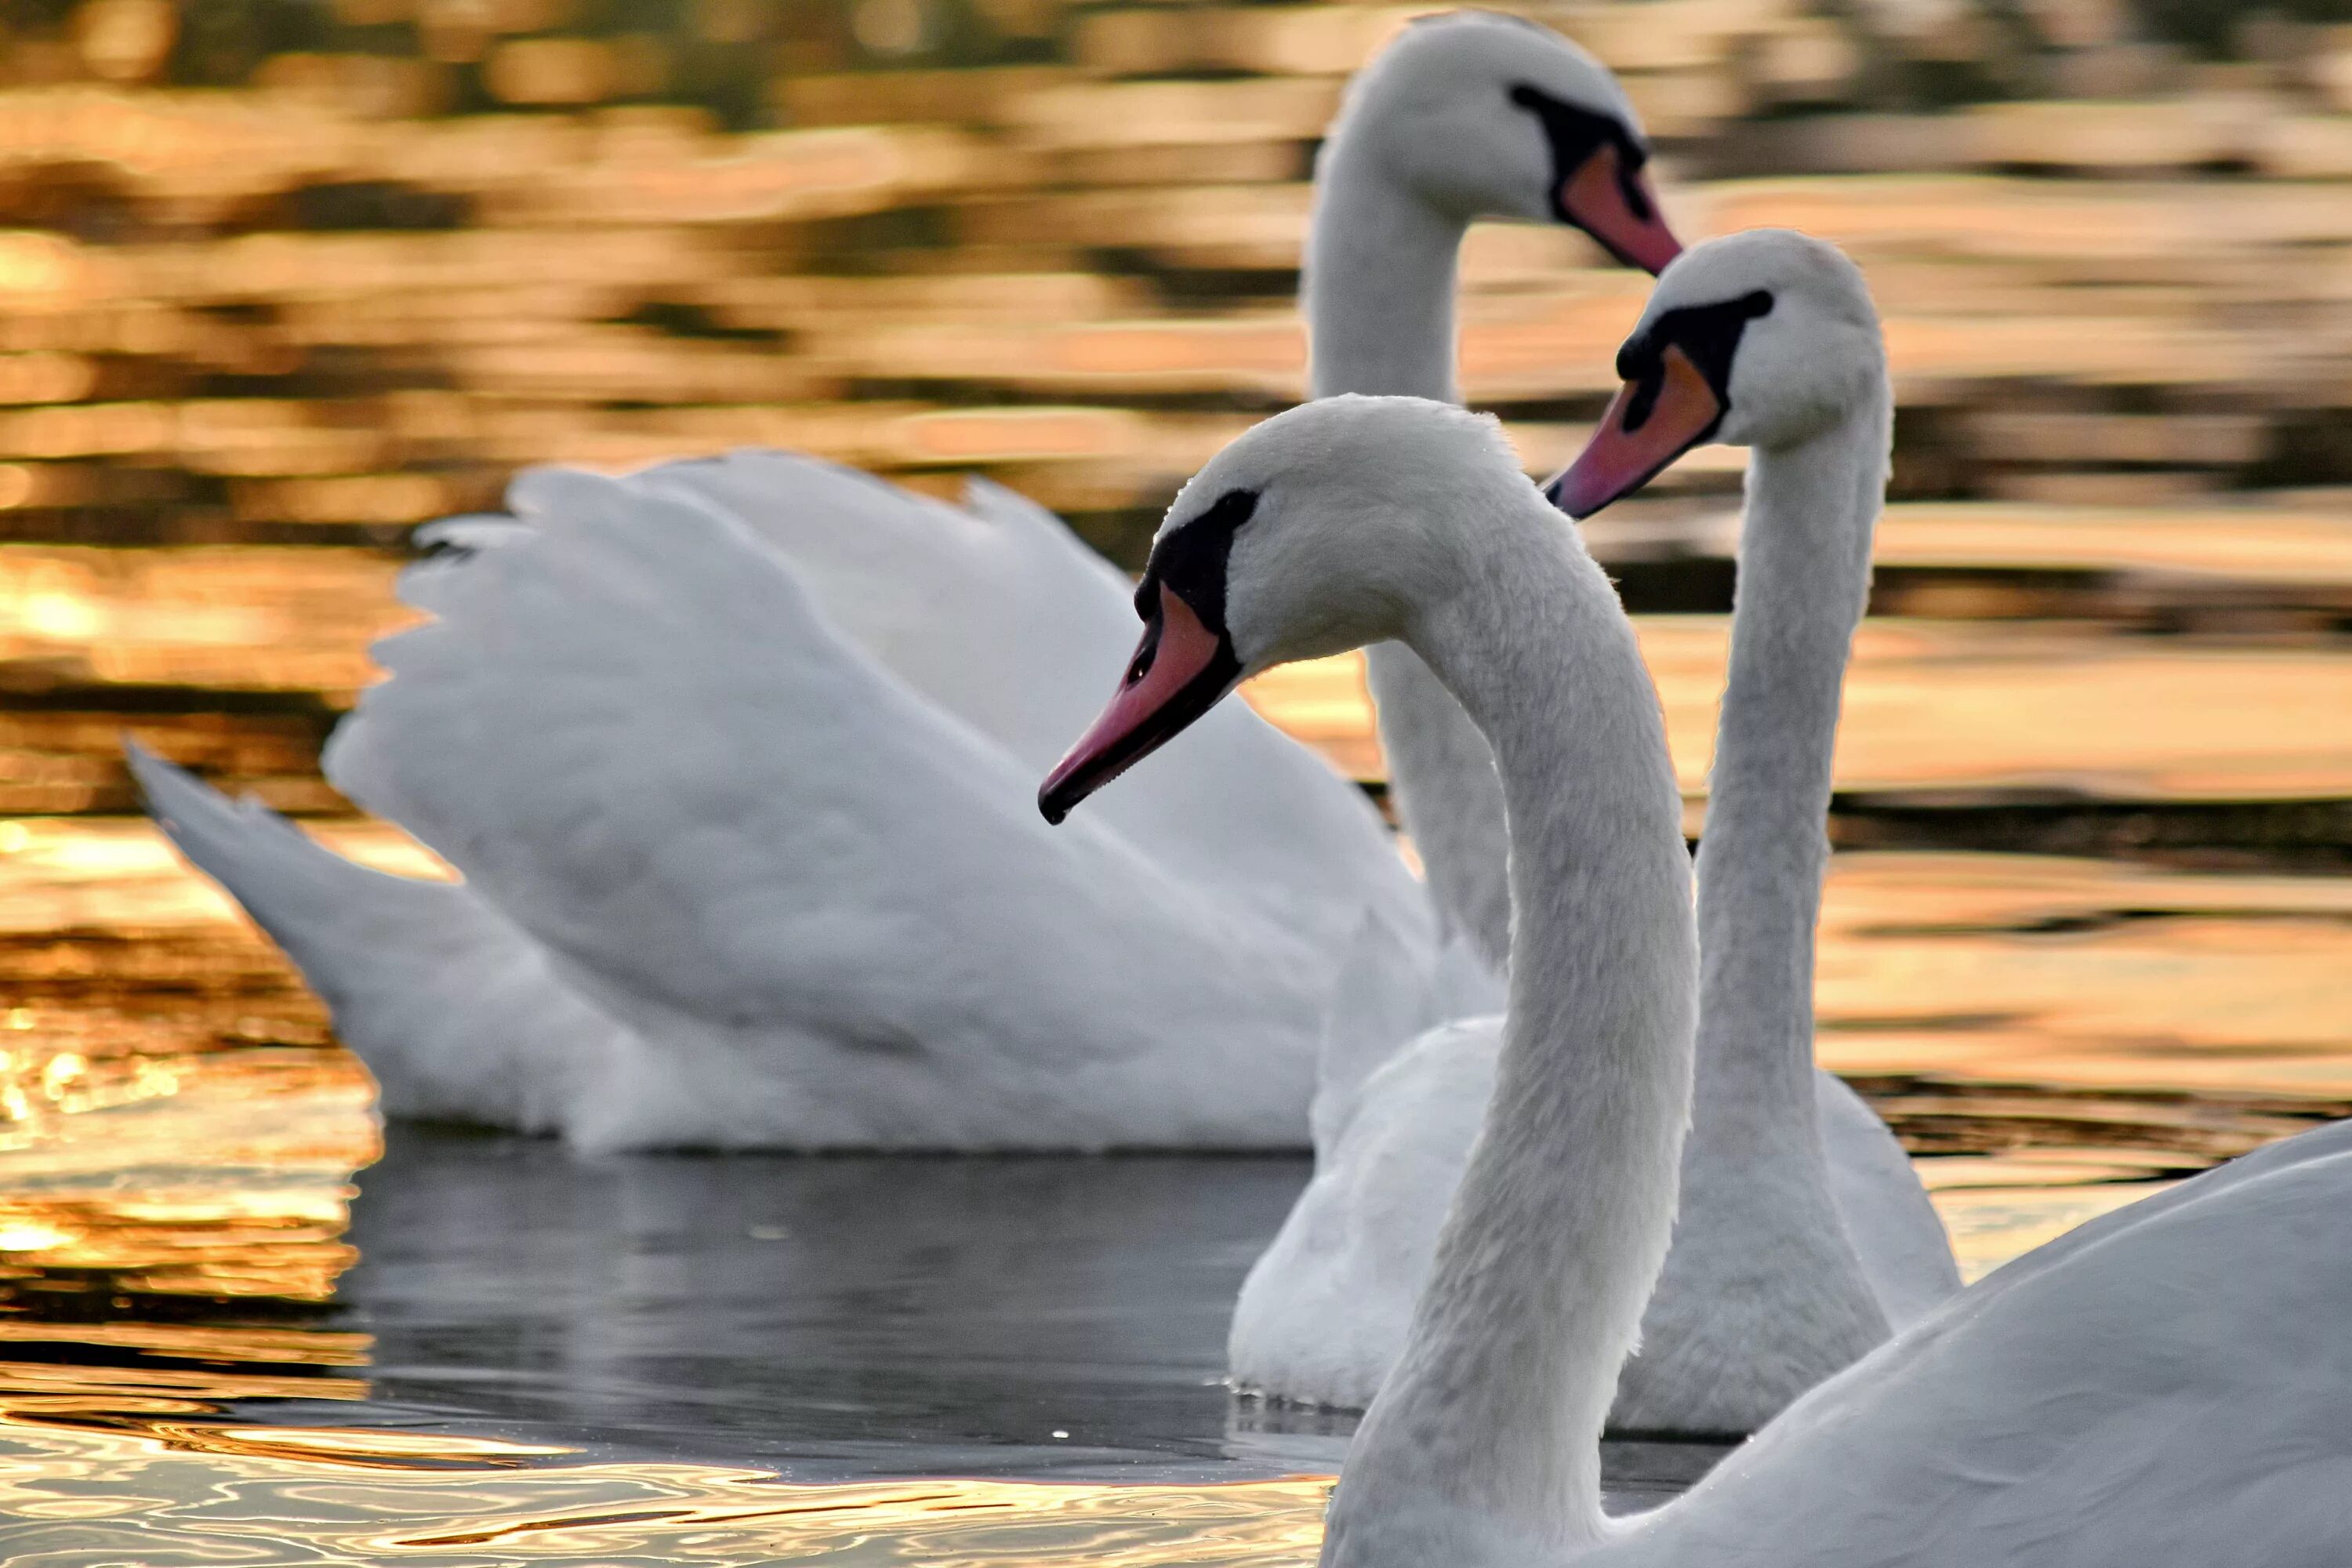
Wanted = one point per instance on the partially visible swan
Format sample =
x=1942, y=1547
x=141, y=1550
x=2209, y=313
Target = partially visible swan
x=1771, y=1287
x=2165, y=1385
x=728, y=754
x=738, y=876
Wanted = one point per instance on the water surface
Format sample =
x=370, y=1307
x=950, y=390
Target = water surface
x=225, y=1288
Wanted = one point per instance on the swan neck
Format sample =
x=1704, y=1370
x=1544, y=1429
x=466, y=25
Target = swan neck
x=1379, y=287
x=1804, y=576
x=1490, y=1425
x=1447, y=796
x=1377, y=281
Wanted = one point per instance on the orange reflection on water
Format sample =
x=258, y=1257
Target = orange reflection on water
x=1944, y=705
x=239, y=618
x=311, y=1495
x=170, y=1131
x=1990, y=1225
x=2088, y=974
x=2308, y=549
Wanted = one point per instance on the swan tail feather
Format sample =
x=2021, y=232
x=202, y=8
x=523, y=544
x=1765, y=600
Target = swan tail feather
x=443, y=999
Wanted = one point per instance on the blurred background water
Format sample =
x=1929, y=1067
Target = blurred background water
x=280, y=278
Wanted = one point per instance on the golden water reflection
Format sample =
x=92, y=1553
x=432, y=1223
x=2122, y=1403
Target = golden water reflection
x=178, y=1143
x=1946, y=706
x=1991, y=1225
x=218, y=1494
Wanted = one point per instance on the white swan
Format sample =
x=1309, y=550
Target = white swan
x=2165, y=1385
x=1769, y=1289
x=728, y=752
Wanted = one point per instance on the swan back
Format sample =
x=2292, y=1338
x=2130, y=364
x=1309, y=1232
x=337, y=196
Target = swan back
x=2169, y=1389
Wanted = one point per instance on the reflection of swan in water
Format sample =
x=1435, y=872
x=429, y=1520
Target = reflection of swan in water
x=772, y=1310
x=2164, y=1385
x=728, y=754
x=1771, y=1286
x=843, y=1317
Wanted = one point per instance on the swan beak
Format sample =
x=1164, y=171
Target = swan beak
x=1649, y=424
x=1179, y=672
x=1619, y=210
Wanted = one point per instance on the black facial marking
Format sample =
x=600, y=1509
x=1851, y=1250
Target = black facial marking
x=1575, y=134
x=1188, y=563
x=1191, y=560
x=1707, y=335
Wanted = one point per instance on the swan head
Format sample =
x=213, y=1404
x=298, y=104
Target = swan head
x=1484, y=115
x=1312, y=534
x=1761, y=339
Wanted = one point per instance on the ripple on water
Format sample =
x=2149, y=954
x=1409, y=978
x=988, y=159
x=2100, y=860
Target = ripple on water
x=191, y=1367
x=241, y=1494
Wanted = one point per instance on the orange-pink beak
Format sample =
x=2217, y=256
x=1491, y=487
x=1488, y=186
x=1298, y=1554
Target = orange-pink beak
x=1179, y=672
x=1620, y=210
x=1647, y=425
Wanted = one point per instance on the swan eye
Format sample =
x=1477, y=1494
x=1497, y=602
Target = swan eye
x=1145, y=652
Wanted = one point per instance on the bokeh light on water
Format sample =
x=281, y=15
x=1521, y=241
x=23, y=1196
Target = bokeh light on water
x=278, y=280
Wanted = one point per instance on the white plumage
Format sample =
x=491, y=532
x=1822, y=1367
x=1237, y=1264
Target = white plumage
x=747, y=865
x=1804, y=1235
x=2165, y=1385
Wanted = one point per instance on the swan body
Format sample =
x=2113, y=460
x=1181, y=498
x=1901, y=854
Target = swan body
x=729, y=752
x=1771, y=1286
x=785, y=878
x=2165, y=1385
x=1322, y=1314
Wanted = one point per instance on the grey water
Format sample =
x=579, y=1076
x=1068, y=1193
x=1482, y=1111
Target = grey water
x=834, y=1319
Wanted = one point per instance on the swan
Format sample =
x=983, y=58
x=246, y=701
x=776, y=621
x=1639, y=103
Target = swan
x=2165, y=1385
x=1769, y=1289
x=729, y=754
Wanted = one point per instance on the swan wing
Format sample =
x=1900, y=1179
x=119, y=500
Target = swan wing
x=641, y=738
x=1906, y=1257
x=1390, y=991
x=1000, y=616
x=1323, y=1313
x=456, y=1012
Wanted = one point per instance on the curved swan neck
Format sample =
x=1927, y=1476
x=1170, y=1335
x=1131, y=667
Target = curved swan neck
x=1443, y=784
x=1805, y=575
x=1377, y=281
x=1378, y=288
x=1484, y=1445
